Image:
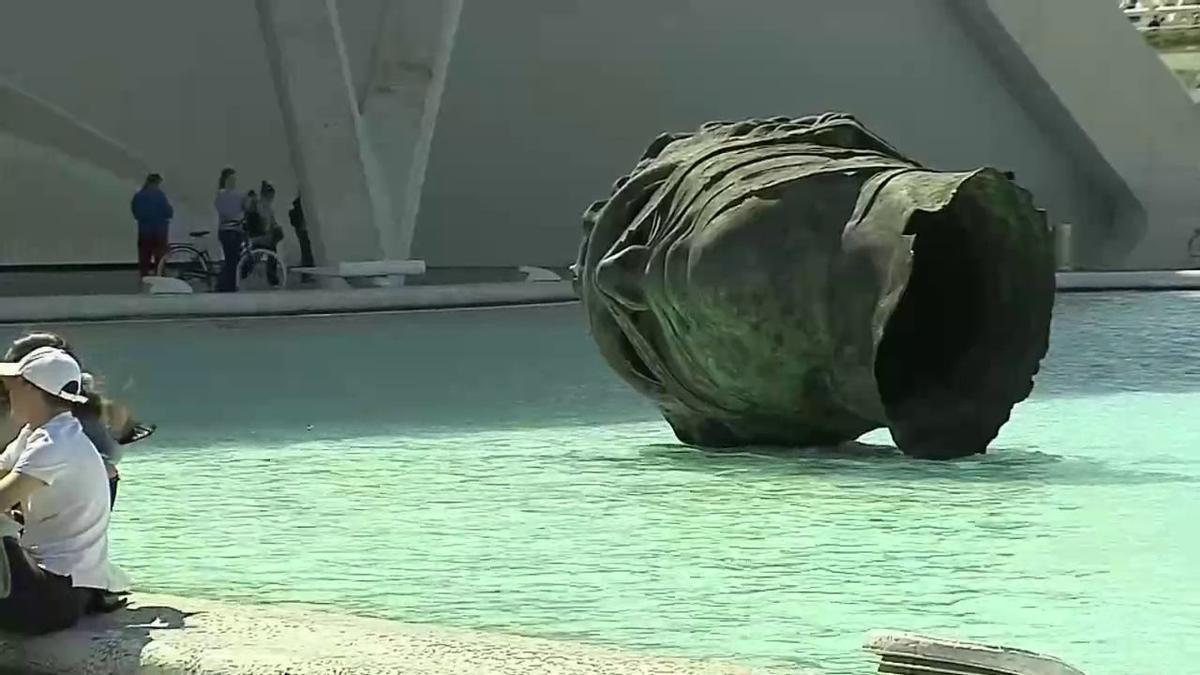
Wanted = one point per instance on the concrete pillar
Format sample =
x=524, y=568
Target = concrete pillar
x=345, y=201
x=402, y=100
x=1064, y=251
x=1144, y=165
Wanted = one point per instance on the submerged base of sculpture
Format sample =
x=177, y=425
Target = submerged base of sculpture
x=799, y=282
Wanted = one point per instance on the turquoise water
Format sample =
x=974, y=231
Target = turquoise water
x=484, y=469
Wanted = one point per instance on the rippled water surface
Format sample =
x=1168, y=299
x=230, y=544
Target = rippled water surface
x=484, y=469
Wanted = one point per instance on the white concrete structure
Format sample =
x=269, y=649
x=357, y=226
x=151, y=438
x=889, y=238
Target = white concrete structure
x=1130, y=116
x=55, y=169
x=178, y=636
x=345, y=202
x=401, y=101
x=540, y=106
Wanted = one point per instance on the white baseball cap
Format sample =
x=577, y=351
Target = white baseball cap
x=50, y=369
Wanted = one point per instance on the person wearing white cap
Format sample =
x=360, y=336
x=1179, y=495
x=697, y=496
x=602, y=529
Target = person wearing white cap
x=59, y=567
x=107, y=424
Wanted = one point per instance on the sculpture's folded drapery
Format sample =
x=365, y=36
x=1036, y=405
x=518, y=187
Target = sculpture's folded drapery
x=800, y=282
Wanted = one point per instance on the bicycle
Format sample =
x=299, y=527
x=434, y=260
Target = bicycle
x=257, y=268
x=189, y=263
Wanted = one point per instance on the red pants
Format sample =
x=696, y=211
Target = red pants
x=151, y=249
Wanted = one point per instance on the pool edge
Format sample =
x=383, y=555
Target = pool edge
x=87, y=308
x=169, y=635
x=133, y=307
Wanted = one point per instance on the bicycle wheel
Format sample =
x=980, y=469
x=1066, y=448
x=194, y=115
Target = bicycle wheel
x=187, y=263
x=261, y=270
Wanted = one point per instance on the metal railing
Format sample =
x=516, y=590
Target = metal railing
x=1160, y=15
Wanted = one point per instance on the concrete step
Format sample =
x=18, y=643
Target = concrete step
x=902, y=653
x=164, y=635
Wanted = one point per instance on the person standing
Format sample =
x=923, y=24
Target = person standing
x=272, y=232
x=153, y=212
x=231, y=211
x=296, y=216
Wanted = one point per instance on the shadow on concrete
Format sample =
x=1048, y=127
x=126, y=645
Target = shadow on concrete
x=126, y=633
x=110, y=643
x=148, y=618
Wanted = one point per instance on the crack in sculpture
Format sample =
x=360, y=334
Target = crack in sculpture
x=800, y=282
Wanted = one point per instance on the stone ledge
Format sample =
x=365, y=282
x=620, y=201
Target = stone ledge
x=279, y=303
x=1140, y=280
x=163, y=635
x=901, y=651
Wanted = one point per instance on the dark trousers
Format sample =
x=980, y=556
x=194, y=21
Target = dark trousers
x=38, y=602
x=231, y=248
x=151, y=249
x=306, y=256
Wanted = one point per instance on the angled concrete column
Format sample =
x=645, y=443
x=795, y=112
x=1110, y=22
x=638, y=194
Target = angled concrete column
x=1082, y=70
x=402, y=99
x=344, y=200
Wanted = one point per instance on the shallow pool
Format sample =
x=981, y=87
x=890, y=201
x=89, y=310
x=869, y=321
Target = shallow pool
x=484, y=469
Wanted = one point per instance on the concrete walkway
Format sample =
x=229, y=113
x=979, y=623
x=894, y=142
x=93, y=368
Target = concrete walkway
x=1144, y=280
x=162, y=635
x=279, y=303
x=108, y=307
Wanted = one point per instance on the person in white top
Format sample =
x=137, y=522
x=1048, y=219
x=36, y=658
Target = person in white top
x=58, y=569
x=108, y=424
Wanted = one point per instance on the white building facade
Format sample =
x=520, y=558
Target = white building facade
x=475, y=132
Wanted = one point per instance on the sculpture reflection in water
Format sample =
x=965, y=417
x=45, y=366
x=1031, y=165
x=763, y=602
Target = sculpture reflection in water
x=799, y=282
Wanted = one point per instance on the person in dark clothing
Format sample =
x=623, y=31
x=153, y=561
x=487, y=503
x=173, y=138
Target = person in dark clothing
x=252, y=222
x=272, y=234
x=260, y=226
x=153, y=212
x=296, y=216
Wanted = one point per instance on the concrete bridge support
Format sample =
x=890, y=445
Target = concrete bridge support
x=345, y=202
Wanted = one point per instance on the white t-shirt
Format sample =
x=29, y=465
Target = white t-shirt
x=66, y=522
x=229, y=207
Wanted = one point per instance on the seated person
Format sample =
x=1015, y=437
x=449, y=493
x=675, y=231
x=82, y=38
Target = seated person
x=107, y=424
x=58, y=570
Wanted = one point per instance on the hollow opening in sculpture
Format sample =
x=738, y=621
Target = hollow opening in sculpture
x=928, y=382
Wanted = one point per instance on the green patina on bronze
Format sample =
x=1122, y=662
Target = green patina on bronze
x=800, y=282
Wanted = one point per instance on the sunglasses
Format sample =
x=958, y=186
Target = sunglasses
x=138, y=432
